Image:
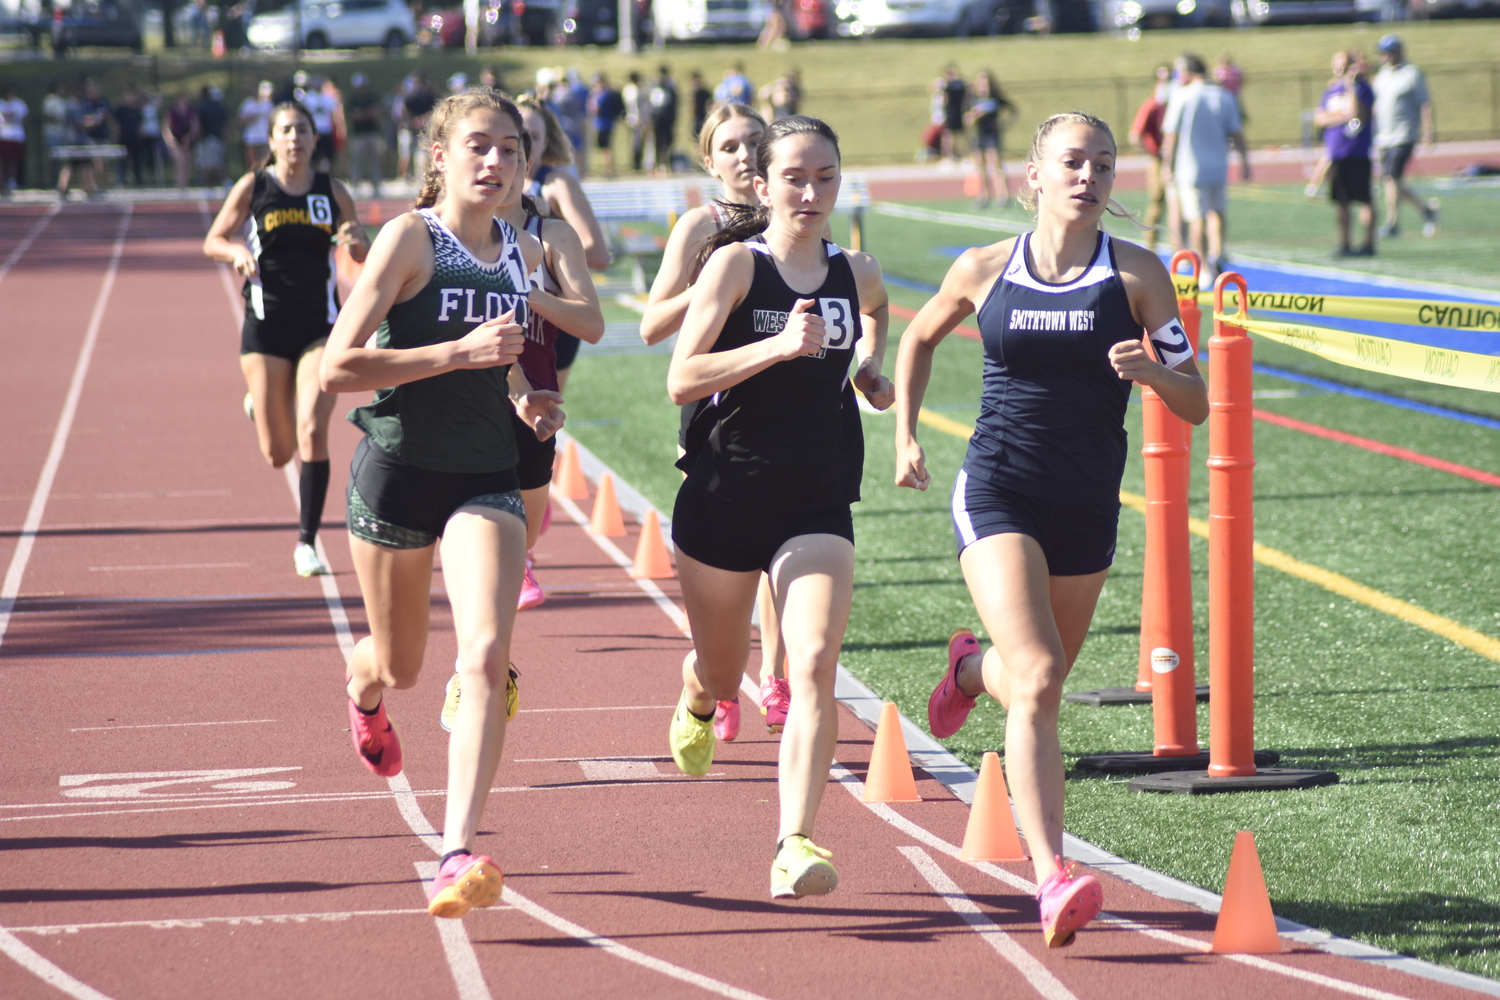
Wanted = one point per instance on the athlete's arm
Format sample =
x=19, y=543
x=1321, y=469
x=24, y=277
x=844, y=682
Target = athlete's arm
x=541, y=409
x=576, y=309
x=723, y=285
x=565, y=195
x=399, y=265
x=230, y=220
x=974, y=271
x=671, y=291
x=351, y=232
x=1153, y=301
x=874, y=320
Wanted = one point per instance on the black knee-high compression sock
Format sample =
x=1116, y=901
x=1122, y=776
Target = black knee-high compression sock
x=312, y=488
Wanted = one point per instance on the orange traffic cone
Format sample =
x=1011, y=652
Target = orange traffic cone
x=971, y=186
x=1246, y=925
x=890, y=778
x=652, y=562
x=991, y=833
x=570, y=481
x=607, y=519
x=375, y=218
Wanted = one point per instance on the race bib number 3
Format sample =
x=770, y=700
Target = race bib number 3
x=838, y=320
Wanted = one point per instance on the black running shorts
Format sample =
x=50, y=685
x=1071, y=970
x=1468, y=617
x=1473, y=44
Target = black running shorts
x=567, y=350
x=1076, y=538
x=745, y=539
x=401, y=506
x=282, y=338
x=1350, y=180
x=534, y=466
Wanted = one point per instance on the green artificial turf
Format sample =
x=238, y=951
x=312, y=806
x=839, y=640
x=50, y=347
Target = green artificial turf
x=1403, y=852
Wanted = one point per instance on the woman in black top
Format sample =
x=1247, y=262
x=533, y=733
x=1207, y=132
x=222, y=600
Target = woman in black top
x=773, y=462
x=293, y=219
x=989, y=112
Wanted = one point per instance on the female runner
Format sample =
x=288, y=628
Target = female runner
x=557, y=193
x=1036, y=505
x=773, y=462
x=444, y=293
x=296, y=217
x=727, y=141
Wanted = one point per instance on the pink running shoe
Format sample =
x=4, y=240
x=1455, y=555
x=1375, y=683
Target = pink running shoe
x=775, y=702
x=531, y=592
x=376, y=739
x=465, y=882
x=727, y=720
x=1068, y=901
x=949, y=706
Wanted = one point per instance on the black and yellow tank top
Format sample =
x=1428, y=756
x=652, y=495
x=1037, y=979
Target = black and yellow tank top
x=291, y=237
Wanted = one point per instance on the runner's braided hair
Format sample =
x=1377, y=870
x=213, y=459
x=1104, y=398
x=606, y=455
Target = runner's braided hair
x=296, y=108
x=440, y=124
x=745, y=221
x=1026, y=194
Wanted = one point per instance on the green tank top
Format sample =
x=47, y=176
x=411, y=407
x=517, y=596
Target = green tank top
x=459, y=421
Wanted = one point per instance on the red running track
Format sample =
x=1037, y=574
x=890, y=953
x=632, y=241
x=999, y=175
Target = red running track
x=183, y=816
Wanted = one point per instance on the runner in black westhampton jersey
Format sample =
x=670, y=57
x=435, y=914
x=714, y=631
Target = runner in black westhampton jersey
x=445, y=294
x=293, y=219
x=773, y=463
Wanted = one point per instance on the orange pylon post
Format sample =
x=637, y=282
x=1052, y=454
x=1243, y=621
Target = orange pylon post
x=1231, y=543
x=1187, y=305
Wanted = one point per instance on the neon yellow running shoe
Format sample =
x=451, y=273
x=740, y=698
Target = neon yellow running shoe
x=802, y=868
x=451, y=698
x=692, y=740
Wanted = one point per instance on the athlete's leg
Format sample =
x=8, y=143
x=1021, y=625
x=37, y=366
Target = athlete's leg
x=314, y=407
x=395, y=585
x=718, y=603
x=1213, y=224
x=772, y=648
x=483, y=559
x=272, y=383
x=1038, y=624
x=1002, y=183
x=813, y=577
x=536, y=506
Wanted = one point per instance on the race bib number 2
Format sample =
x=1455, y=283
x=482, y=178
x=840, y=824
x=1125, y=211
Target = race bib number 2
x=838, y=322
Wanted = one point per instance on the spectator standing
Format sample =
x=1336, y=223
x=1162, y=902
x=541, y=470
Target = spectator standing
x=989, y=112
x=366, y=135
x=181, y=135
x=13, y=113
x=663, y=118
x=735, y=88
x=1201, y=121
x=782, y=97
x=255, y=125
x=209, y=153
x=56, y=125
x=570, y=100
x=606, y=106
x=488, y=77
x=128, y=121
x=420, y=100
x=1403, y=113
x=954, y=94
x=1145, y=135
x=637, y=116
x=95, y=128
x=156, y=147
x=1344, y=116
x=703, y=98
x=321, y=106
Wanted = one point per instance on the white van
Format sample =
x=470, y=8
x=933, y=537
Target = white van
x=329, y=24
x=700, y=20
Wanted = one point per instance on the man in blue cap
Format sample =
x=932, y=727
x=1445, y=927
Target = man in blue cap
x=1403, y=113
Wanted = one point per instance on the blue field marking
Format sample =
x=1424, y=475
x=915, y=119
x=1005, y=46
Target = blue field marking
x=1380, y=397
x=912, y=286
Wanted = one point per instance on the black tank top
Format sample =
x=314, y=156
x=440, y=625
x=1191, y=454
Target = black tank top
x=1052, y=413
x=787, y=438
x=291, y=237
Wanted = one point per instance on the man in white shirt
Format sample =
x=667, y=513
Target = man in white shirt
x=1201, y=121
x=1403, y=111
x=255, y=125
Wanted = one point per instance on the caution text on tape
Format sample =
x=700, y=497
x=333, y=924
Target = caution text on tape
x=1409, y=312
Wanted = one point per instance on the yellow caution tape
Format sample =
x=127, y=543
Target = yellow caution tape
x=1409, y=312
x=1380, y=354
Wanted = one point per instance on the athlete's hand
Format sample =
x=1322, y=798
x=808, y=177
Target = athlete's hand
x=803, y=334
x=1131, y=361
x=244, y=261
x=911, y=466
x=542, y=411
x=350, y=232
x=491, y=344
x=879, y=391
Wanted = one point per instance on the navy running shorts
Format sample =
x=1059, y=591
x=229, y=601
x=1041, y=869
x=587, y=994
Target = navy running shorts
x=401, y=506
x=567, y=350
x=1076, y=538
x=745, y=539
x=534, y=466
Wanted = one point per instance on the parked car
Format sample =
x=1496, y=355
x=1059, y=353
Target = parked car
x=101, y=23
x=810, y=19
x=591, y=22
x=859, y=18
x=445, y=29
x=537, y=21
x=702, y=20
x=1123, y=15
x=1247, y=13
x=339, y=24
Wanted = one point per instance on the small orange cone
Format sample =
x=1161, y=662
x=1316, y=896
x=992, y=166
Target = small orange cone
x=890, y=778
x=991, y=833
x=375, y=218
x=1246, y=925
x=971, y=186
x=652, y=562
x=570, y=481
x=607, y=520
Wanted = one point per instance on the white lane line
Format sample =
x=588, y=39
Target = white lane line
x=603, y=708
x=1035, y=973
x=126, y=569
x=27, y=540
x=173, y=725
x=462, y=961
x=45, y=970
x=626, y=952
x=189, y=923
x=609, y=548
x=25, y=244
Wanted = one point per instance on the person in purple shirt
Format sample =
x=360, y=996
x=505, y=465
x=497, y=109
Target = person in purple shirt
x=1344, y=115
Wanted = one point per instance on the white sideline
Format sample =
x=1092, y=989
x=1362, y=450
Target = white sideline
x=25, y=244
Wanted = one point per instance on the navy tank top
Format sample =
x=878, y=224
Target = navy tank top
x=788, y=438
x=1052, y=412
